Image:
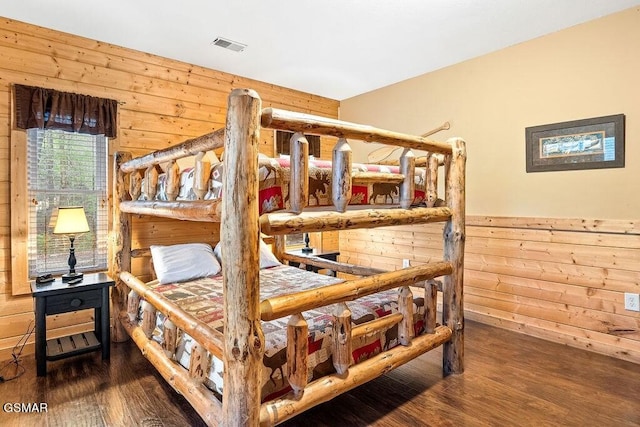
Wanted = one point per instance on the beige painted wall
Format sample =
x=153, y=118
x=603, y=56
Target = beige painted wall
x=586, y=71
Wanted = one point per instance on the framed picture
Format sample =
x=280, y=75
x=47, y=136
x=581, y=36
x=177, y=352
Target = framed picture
x=580, y=144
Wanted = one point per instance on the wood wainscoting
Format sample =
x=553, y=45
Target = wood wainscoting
x=559, y=279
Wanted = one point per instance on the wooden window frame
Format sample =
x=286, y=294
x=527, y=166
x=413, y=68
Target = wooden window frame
x=19, y=214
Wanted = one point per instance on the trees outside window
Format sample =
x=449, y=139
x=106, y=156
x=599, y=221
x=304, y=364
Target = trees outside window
x=66, y=169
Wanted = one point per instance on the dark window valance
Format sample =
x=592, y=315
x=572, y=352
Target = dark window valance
x=51, y=109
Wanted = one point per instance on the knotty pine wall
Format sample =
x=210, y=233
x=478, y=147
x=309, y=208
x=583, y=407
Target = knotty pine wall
x=163, y=102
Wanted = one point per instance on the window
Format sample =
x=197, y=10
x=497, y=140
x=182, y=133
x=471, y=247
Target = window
x=66, y=169
x=294, y=240
x=283, y=141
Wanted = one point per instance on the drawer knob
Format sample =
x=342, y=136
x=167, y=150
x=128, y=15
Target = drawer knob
x=75, y=302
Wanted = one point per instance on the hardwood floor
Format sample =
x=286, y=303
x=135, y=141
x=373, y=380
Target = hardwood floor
x=510, y=380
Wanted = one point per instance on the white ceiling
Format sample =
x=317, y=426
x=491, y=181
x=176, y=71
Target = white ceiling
x=333, y=48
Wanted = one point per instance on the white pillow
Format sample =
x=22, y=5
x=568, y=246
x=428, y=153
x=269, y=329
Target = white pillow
x=179, y=263
x=267, y=258
x=217, y=251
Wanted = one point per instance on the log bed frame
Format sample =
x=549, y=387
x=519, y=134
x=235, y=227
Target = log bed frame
x=241, y=347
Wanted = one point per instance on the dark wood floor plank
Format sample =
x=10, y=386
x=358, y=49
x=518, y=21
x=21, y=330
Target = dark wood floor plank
x=77, y=403
x=560, y=376
x=509, y=379
x=179, y=412
x=133, y=406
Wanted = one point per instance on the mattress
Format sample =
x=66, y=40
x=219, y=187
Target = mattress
x=274, y=185
x=203, y=299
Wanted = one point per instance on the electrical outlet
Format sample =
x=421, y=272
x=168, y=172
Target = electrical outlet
x=631, y=301
x=406, y=263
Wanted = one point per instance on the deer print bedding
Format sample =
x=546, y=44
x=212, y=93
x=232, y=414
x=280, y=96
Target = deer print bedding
x=371, y=194
x=274, y=185
x=203, y=299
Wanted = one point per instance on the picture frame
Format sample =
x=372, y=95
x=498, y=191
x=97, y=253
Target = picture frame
x=594, y=143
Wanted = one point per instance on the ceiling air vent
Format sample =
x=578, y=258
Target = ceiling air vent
x=229, y=44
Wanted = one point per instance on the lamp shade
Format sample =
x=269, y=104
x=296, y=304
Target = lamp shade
x=71, y=220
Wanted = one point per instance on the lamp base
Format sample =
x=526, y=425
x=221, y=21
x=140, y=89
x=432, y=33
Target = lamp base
x=71, y=276
x=306, y=249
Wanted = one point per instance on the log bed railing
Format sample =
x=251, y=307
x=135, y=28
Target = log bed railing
x=241, y=347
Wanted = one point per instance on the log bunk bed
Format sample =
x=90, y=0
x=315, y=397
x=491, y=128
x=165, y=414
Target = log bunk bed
x=241, y=345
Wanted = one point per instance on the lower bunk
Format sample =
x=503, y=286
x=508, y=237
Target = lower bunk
x=379, y=339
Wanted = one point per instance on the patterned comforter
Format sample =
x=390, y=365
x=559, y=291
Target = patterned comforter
x=203, y=299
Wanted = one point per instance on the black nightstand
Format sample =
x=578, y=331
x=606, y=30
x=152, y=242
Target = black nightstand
x=57, y=297
x=329, y=255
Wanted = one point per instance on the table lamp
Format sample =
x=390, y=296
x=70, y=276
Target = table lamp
x=71, y=221
x=306, y=249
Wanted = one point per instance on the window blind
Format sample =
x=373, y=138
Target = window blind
x=66, y=169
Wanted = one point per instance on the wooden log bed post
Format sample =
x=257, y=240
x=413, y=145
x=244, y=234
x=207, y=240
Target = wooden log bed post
x=201, y=172
x=121, y=260
x=172, y=181
x=133, y=303
x=405, y=306
x=135, y=185
x=150, y=182
x=199, y=363
x=430, y=306
x=341, y=338
x=432, y=180
x=454, y=237
x=341, y=179
x=170, y=338
x=407, y=186
x=279, y=247
x=299, y=182
x=149, y=314
x=243, y=336
x=297, y=352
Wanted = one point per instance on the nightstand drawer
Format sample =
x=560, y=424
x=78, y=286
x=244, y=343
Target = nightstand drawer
x=73, y=301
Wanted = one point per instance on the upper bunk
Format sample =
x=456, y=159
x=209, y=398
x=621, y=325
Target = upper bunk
x=137, y=179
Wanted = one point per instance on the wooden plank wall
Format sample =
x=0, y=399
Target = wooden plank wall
x=559, y=279
x=163, y=102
